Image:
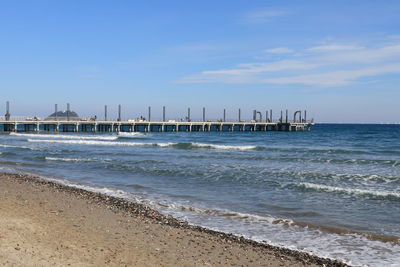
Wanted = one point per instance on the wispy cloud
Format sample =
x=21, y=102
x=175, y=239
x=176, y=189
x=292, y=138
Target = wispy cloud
x=335, y=47
x=279, y=50
x=320, y=66
x=387, y=53
x=264, y=15
x=246, y=72
x=264, y=67
x=336, y=78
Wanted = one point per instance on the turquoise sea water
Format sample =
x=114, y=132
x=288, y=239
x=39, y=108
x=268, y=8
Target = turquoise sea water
x=333, y=191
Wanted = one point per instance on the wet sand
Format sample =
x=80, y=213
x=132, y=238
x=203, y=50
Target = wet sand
x=48, y=224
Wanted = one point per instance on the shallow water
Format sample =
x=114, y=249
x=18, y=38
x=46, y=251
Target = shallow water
x=333, y=191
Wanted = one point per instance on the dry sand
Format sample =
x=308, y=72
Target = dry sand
x=46, y=224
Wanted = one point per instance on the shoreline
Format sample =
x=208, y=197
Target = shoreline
x=270, y=255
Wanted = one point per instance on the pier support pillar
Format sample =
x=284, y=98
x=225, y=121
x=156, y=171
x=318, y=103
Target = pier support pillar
x=149, y=118
x=224, y=115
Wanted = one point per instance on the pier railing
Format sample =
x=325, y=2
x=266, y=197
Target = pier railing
x=17, y=118
x=133, y=120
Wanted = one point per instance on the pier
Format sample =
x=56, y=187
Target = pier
x=71, y=123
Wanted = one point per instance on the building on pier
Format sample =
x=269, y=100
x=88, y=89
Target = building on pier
x=63, y=115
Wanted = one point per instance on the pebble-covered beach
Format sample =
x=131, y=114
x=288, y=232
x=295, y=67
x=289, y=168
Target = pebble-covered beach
x=47, y=223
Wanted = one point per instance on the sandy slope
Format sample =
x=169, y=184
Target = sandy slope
x=43, y=226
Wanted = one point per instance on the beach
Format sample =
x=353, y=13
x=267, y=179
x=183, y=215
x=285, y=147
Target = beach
x=43, y=223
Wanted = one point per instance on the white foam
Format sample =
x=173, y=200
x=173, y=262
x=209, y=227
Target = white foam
x=101, y=190
x=352, y=191
x=8, y=169
x=219, y=212
x=130, y=134
x=69, y=159
x=12, y=146
x=101, y=143
x=65, y=136
x=168, y=144
x=223, y=147
x=354, y=249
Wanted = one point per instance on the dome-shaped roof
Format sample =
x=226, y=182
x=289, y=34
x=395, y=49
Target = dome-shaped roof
x=63, y=115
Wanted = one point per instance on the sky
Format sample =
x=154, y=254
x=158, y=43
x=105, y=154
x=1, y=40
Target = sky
x=339, y=60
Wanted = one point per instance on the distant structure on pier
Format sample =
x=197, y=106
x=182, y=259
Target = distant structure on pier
x=63, y=115
x=69, y=121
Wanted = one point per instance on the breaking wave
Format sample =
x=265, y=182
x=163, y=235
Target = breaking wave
x=131, y=135
x=17, y=147
x=351, y=191
x=69, y=159
x=229, y=147
x=168, y=144
x=96, y=142
x=66, y=136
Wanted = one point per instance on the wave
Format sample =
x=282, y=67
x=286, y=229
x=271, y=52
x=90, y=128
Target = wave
x=65, y=136
x=195, y=146
x=96, y=142
x=285, y=158
x=223, y=147
x=351, y=191
x=187, y=146
x=359, y=161
x=277, y=220
x=5, y=154
x=69, y=159
x=17, y=147
x=131, y=135
x=137, y=186
x=306, y=150
x=7, y=169
x=20, y=164
x=101, y=190
x=170, y=206
x=357, y=177
x=222, y=213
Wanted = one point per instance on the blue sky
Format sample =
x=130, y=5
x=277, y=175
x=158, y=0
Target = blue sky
x=340, y=60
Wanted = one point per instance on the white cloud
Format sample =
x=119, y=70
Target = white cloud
x=335, y=47
x=260, y=16
x=246, y=72
x=255, y=68
x=339, y=65
x=336, y=78
x=364, y=56
x=279, y=50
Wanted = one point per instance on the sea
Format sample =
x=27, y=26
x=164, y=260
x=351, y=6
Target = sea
x=333, y=191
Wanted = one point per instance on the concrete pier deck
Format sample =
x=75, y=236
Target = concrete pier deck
x=149, y=126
